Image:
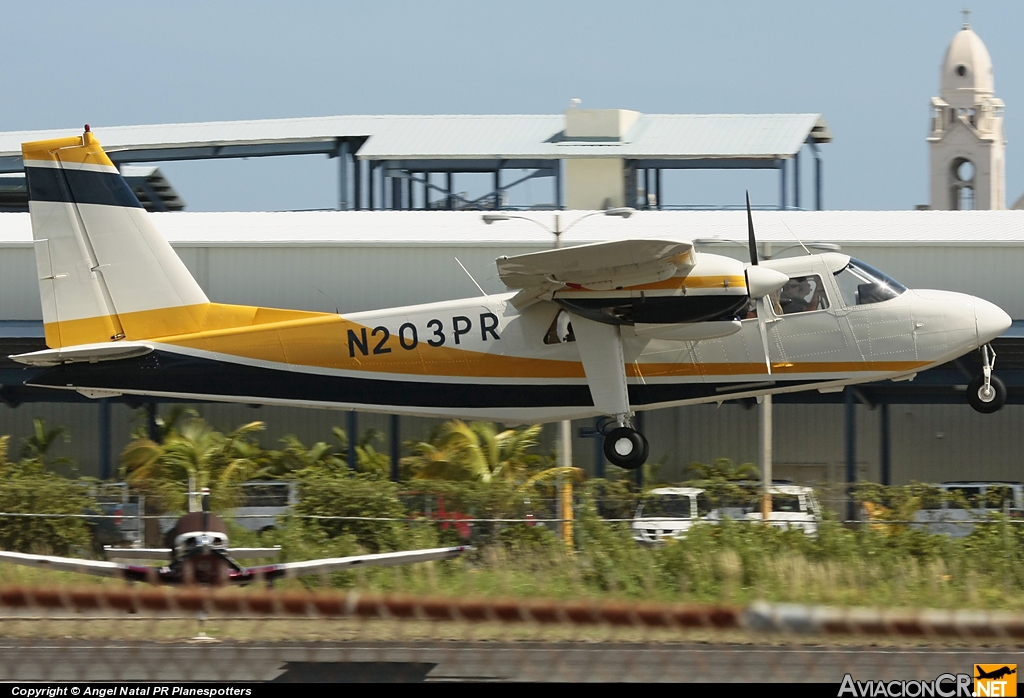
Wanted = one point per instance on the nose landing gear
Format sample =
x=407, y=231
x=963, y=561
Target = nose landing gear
x=986, y=393
x=625, y=447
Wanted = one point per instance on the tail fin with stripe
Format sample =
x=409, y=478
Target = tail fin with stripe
x=105, y=271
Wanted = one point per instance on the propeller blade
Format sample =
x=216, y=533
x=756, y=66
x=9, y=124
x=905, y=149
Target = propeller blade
x=762, y=326
x=751, y=241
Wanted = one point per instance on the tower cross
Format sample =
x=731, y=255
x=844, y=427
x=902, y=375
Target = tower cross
x=967, y=18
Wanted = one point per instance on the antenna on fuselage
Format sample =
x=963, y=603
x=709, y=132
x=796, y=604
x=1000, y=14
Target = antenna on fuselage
x=801, y=243
x=337, y=306
x=482, y=291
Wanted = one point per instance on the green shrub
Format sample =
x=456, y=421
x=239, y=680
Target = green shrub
x=29, y=489
x=349, y=494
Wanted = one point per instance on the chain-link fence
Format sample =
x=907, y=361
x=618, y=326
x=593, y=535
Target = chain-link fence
x=154, y=634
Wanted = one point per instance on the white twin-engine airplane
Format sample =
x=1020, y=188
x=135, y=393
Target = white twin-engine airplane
x=601, y=329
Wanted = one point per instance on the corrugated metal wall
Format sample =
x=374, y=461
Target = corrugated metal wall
x=19, y=285
x=929, y=443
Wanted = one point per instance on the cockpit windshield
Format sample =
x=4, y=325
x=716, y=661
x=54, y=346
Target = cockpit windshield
x=861, y=284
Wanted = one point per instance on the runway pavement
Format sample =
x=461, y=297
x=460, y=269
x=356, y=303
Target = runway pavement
x=478, y=661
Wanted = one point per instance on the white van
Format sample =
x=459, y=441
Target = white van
x=793, y=507
x=951, y=518
x=668, y=512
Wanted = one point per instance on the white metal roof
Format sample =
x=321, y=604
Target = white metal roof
x=668, y=136
x=465, y=136
x=207, y=133
x=466, y=228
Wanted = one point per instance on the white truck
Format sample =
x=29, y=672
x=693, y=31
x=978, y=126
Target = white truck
x=668, y=513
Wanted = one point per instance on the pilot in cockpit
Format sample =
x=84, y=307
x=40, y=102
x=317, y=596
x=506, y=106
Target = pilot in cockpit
x=802, y=294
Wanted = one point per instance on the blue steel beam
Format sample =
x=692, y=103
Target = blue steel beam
x=851, y=450
x=885, y=454
x=782, y=185
x=772, y=163
x=396, y=445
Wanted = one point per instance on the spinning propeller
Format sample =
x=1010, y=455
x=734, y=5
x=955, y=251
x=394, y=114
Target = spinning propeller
x=760, y=283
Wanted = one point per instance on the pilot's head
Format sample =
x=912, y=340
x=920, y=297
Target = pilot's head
x=796, y=288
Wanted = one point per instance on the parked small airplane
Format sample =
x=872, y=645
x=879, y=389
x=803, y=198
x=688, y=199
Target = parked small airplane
x=197, y=553
x=601, y=329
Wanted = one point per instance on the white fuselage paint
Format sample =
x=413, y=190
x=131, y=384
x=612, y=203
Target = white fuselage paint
x=838, y=346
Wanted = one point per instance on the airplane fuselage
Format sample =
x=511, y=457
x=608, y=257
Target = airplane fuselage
x=483, y=358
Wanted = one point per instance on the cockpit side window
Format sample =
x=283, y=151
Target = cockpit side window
x=861, y=284
x=560, y=330
x=802, y=294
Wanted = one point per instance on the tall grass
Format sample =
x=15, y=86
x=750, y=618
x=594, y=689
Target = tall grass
x=732, y=563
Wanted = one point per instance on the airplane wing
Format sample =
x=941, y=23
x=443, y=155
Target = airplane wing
x=600, y=267
x=99, y=568
x=335, y=564
x=114, y=553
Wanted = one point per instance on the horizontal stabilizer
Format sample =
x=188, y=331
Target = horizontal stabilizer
x=84, y=353
x=113, y=553
x=601, y=266
x=250, y=553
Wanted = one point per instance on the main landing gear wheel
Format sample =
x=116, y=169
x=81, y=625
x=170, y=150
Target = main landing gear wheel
x=626, y=448
x=986, y=399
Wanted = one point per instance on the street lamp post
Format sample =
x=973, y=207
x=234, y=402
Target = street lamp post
x=565, y=431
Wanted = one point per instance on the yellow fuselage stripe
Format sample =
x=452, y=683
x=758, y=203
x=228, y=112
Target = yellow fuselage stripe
x=676, y=283
x=320, y=340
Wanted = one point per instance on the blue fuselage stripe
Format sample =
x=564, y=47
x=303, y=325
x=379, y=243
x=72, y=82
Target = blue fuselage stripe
x=172, y=373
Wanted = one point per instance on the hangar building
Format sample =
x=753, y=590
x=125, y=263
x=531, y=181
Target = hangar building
x=352, y=261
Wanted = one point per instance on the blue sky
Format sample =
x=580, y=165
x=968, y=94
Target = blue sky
x=869, y=66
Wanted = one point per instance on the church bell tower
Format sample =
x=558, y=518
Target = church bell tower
x=966, y=143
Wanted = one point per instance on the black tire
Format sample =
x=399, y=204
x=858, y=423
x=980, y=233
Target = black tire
x=626, y=448
x=979, y=401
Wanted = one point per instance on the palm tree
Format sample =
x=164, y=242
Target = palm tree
x=458, y=450
x=295, y=456
x=368, y=458
x=42, y=440
x=194, y=455
x=725, y=469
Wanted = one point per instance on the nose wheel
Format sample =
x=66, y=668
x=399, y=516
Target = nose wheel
x=986, y=393
x=626, y=447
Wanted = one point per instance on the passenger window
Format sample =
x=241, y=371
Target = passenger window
x=802, y=294
x=560, y=330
